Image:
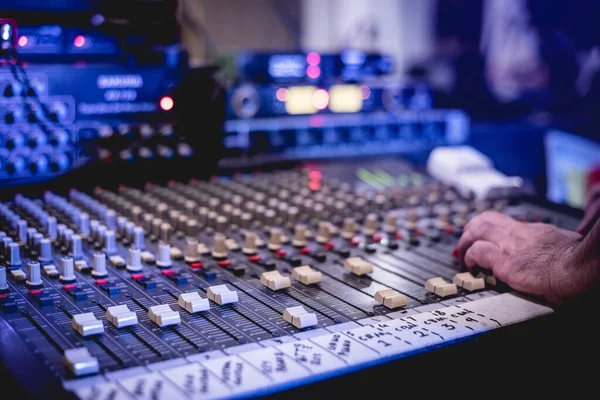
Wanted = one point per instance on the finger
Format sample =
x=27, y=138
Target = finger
x=590, y=216
x=490, y=226
x=592, y=196
x=482, y=254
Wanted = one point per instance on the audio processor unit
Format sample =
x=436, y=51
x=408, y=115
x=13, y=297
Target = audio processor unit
x=243, y=285
x=297, y=106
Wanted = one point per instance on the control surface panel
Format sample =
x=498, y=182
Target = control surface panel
x=245, y=285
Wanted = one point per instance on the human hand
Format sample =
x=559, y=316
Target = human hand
x=592, y=208
x=534, y=258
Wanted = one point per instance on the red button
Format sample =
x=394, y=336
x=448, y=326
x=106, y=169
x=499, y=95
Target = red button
x=449, y=229
x=69, y=287
x=418, y=232
x=101, y=282
x=455, y=253
x=196, y=265
x=355, y=241
x=329, y=245
x=35, y=292
x=305, y=250
x=224, y=263
x=3, y=297
x=136, y=277
x=168, y=272
x=254, y=258
x=399, y=236
x=280, y=253
x=377, y=238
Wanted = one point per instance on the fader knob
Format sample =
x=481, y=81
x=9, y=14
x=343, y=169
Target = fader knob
x=67, y=270
x=99, y=265
x=275, y=239
x=34, y=274
x=349, y=228
x=324, y=232
x=163, y=257
x=391, y=223
x=220, y=246
x=3, y=284
x=134, y=260
x=45, y=251
x=22, y=231
x=76, y=247
x=299, y=239
x=137, y=238
x=371, y=224
x=13, y=256
x=250, y=247
x=110, y=242
x=51, y=227
x=191, y=250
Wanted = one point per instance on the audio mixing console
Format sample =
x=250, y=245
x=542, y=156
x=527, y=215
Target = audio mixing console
x=244, y=285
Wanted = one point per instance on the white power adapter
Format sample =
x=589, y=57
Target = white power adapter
x=470, y=171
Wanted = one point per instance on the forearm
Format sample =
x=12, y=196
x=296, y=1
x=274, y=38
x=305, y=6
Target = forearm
x=587, y=254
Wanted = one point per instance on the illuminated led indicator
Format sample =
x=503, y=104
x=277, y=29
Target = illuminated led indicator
x=79, y=41
x=23, y=41
x=313, y=72
x=314, y=175
x=313, y=58
x=312, y=185
x=365, y=92
x=166, y=103
x=320, y=99
x=282, y=94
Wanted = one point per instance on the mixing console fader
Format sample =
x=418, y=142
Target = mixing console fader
x=243, y=285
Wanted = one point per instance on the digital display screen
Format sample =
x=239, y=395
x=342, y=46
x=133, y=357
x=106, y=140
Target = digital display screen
x=345, y=99
x=569, y=161
x=287, y=66
x=300, y=100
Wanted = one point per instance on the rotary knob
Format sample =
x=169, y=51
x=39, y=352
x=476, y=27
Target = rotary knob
x=134, y=260
x=51, y=227
x=76, y=247
x=99, y=265
x=349, y=228
x=13, y=256
x=299, y=239
x=110, y=242
x=324, y=232
x=391, y=223
x=163, y=257
x=137, y=238
x=67, y=270
x=45, y=251
x=371, y=224
x=250, y=247
x=191, y=250
x=34, y=275
x=275, y=239
x=220, y=247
